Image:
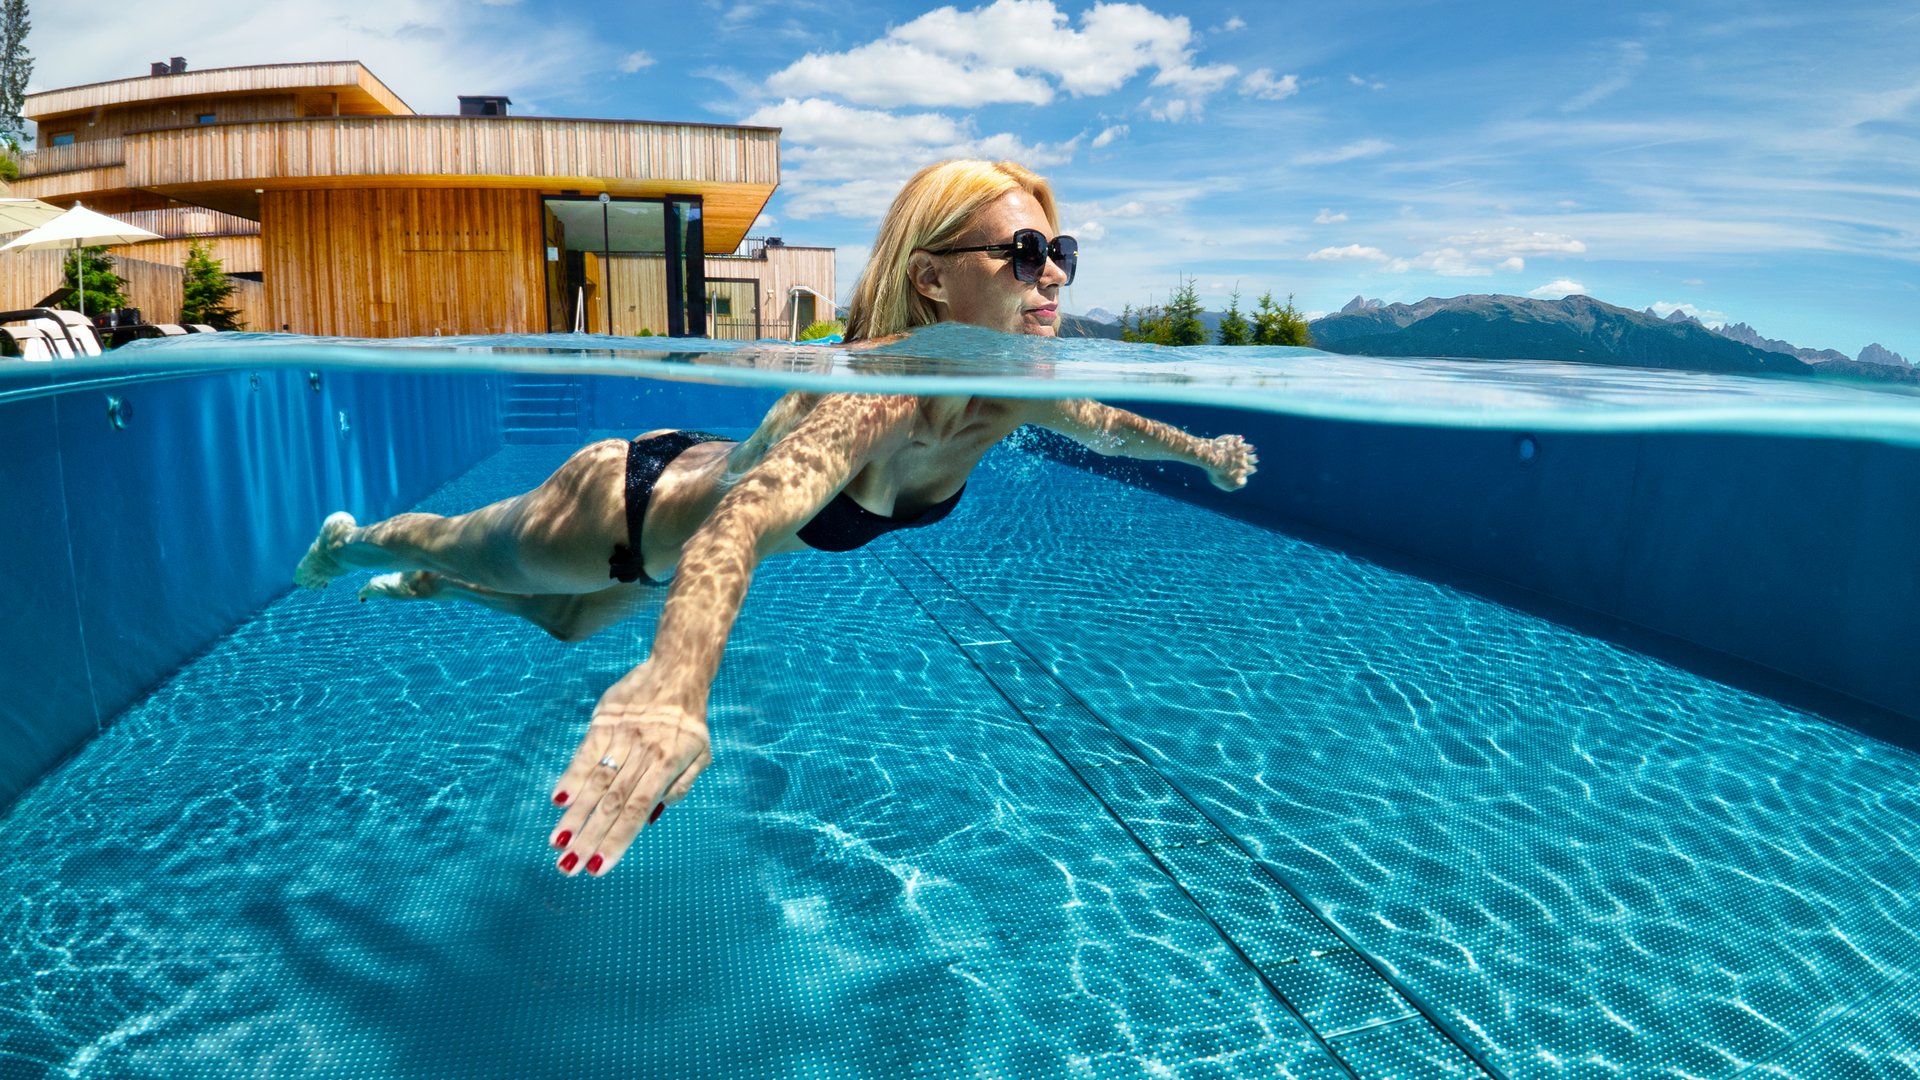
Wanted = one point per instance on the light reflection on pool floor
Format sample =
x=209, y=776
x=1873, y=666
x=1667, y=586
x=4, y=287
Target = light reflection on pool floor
x=319, y=849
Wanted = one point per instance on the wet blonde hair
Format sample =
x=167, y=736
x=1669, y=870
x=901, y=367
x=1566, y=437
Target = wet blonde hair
x=930, y=212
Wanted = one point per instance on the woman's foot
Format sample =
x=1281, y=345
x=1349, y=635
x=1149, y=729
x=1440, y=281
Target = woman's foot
x=403, y=585
x=321, y=564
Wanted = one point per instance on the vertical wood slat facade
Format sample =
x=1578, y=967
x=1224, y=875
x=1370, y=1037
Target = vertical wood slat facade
x=157, y=289
x=403, y=262
x=776, y=274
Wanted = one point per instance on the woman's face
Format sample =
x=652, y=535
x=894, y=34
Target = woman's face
x=978, y=287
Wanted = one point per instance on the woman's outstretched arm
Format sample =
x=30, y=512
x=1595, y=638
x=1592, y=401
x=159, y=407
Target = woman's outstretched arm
x=1228, y=459
x=648, y=738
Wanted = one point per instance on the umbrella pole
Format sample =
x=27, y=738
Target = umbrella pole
x=79, y=278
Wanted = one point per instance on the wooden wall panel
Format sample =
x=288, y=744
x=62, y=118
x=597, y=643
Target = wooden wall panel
x=237, y=254
x=359, y=91
x=776, y=274
x=403, y=263
x=154, y=288
x=638, y=287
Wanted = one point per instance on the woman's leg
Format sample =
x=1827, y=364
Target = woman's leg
x=553, y=539
x=569, y=617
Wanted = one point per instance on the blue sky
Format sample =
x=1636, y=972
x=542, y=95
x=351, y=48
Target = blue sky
x=1755, y=162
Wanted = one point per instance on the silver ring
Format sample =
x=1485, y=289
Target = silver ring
x=609, y=762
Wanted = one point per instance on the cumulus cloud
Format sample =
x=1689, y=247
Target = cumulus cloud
x=1328, y=217
x=1349, y=152
x=1117, y=131
x=1366, y=84
x=635, y=60
x=1351, y=251
x=1233, y=24
x=1089, y=231
x=850, y=162
x=1513, y=265
x=1013, y=52
x=1260, y=83
x=1554, y=290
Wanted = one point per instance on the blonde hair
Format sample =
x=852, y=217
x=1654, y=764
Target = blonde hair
x=930, y=212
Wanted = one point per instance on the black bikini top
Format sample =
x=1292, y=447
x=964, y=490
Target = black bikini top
x=843, y=524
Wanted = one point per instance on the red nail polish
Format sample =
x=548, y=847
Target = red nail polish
x=658, y=809
x=565, y=837
x=560, y=798
x=594, y=864
x=568, y=860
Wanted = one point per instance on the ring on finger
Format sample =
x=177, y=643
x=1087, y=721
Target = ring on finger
x=609, y=762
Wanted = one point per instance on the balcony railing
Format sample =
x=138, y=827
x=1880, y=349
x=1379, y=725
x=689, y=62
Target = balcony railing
x=93, y=154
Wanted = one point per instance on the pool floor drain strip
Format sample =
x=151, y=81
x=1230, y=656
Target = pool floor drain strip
x=1341, y=996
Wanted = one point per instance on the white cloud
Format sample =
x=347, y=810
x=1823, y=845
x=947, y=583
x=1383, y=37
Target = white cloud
x=1664, y=308
x=1694, y=281
x=1446, y=262
x=1260, y=83
x=1627, y=60
x=1089, y=231
x=1234, y=24
x=635, y=60
x=1349, y=152
x=1499, y=243
x=1513, y=265
x=1367, y=84
x=1011, y=51
x=1328, y=217
x=427, y=51
x=850, y=162
x=1117, y=131
x=1554, y=290
x=1351, y=251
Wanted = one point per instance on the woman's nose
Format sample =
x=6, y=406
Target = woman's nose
x=1052, y=274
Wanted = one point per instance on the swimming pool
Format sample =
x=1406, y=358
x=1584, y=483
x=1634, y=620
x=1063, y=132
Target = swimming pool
x=1089, y=780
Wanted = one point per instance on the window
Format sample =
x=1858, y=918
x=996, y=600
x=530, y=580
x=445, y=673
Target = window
x=60, y=138
x=206, y=118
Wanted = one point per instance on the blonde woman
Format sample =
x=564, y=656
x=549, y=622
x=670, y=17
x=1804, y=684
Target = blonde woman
x=966, y=241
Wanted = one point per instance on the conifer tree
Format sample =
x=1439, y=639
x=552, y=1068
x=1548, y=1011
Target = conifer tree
x=1274, y=325
x=16, y=67
x=101, y=293
x=207, y=289
x=1183, y=316
x=1233, y=327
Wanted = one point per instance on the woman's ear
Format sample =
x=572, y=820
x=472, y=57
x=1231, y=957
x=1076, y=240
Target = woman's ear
x=924, y=271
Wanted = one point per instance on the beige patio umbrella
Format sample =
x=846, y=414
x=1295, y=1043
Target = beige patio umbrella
x=78, y=228
x=19, y=215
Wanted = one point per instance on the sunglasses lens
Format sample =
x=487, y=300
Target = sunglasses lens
x=1066, y=252
x=1029, y=254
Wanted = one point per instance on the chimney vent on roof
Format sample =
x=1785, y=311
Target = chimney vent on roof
x=178, y=65
x=159, y=68
x=484, y=104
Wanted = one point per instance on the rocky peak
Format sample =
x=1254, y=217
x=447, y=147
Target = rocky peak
x=1359, y=304
x=1879, y=354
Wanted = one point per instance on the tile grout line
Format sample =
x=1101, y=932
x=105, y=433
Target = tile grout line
x=1375, y=967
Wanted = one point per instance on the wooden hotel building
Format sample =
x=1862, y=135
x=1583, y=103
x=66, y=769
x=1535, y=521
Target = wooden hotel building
x=361, y=218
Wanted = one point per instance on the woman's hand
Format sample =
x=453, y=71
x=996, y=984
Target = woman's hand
x=642, y=752
x=1229, y=461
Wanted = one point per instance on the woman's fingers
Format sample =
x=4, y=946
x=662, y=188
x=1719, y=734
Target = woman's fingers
x=643, y=765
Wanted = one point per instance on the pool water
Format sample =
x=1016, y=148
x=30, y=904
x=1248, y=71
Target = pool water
x=1083, y=782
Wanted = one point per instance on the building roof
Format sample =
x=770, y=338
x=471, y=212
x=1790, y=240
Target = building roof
x=360, y=93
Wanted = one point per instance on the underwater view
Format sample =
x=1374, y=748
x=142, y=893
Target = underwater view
x=1516, y=719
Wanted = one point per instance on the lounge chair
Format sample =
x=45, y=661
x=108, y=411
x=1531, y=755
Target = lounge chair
x=66, y=334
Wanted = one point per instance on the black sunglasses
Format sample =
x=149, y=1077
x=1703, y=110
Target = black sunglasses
x=1030, y=251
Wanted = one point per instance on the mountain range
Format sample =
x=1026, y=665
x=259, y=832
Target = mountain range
x=1575, y=328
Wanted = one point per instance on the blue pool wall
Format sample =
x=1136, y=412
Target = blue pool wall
x=129, y=551
x=1800, y=556
x=132, y=550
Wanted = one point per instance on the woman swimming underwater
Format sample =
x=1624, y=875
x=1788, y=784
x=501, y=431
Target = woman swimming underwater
x=965, y=241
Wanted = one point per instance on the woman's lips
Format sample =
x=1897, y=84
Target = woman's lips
x=1049, y=312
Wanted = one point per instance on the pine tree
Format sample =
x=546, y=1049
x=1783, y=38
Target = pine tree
x=1183, y=316
x=101, y=293
x=1233, y=327
x=1274, y=325
x=16, y=67
x=207, y=289
x=1149, y=326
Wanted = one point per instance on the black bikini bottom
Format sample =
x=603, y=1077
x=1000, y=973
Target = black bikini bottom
x=646, y=460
